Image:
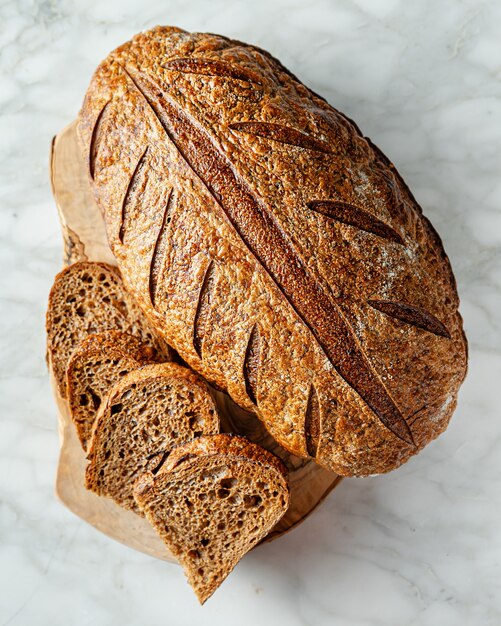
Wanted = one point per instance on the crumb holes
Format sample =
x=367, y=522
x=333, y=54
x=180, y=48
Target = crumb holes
x=175, y=549
x=80, y=310
x=202, y=496
x=195, y=422
x=122, y=373
x=101, y=277
x=96, y=400
x=240, y=523
x=205, y=542
x=200, y=571
x=252, y=501
x=189, y=504
x=193, y=554
x=191, y=396
x=221, y=526
x=222, y=493
x=198, y=433
x=116, y=408
x=228, y=483
x=275, y=494
x=121, y=454
x=84, y=400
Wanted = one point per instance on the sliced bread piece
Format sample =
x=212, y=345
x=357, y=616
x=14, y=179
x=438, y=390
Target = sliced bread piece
x=88, y=298
x=142, y=418
x=211, y=501
x=97, y=364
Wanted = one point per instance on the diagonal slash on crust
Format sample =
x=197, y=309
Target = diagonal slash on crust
x=308, y=297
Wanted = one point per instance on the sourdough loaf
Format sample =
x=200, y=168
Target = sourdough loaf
x=97, y=364
x=274, y=247
x=88, y=298
x=143, y=416
x=211, y=502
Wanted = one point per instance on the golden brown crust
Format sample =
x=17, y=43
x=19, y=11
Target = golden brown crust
x=222, y=444
x=275, y=248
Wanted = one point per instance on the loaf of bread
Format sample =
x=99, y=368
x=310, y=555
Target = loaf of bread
x=275, y=248
x=212, y=501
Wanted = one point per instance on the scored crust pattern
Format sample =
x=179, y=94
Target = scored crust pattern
x=309, y=299
x=299, y=278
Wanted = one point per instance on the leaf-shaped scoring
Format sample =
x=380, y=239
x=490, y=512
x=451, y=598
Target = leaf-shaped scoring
x=416, y=316
x=354, y=216
x=312, y=426
x=251, y=218
x=211, y=67
x=203, y=308
x=251, y=363
x=94, y=140
x=157, y=258
x=282, y=134
x=129, y=194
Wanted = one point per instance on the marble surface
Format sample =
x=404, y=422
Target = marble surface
x=421, y=546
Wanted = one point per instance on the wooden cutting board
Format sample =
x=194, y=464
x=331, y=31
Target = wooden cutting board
x=84, y=238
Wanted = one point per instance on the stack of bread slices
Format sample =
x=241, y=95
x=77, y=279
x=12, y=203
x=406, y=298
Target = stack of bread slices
x=151, y=431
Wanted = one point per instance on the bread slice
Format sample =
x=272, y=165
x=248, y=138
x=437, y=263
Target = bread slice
x=97, y=364
x=145, y=415
x=88, y=298
x=212, y=501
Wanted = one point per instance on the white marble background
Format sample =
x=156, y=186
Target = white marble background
x=421, y=546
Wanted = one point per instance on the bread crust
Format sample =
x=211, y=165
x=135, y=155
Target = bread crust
x=224, y=444
x=275, y=248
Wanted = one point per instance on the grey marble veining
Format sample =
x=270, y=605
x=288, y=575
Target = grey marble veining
x=420, y=546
